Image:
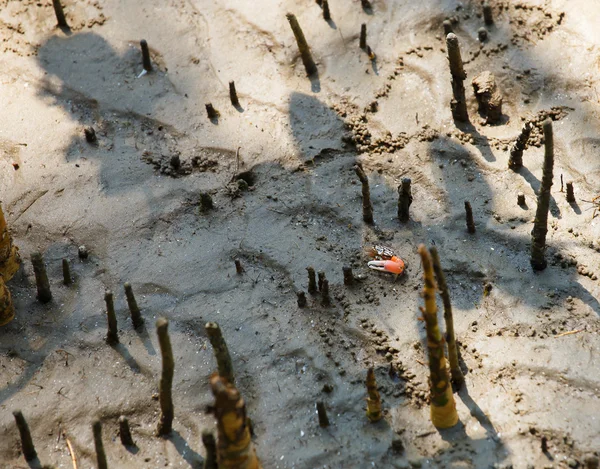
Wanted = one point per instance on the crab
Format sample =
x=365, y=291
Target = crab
x=385, y=260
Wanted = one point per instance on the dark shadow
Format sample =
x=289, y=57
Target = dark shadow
x=315, y=82
x=316, y=128
x=461, y=363
x=374, y=65
x=35, y=464
x=575, y=207
x=480, y=141
x=382, y=426
x=445, y=150
x=143, y=333
x=132, y=449
x=548, y=454
x=122, y=350
x=186, y=452
x=67, y=86
x=489, y=450
x=66, y=30
x=455, y=434
x=476, y=412
x=535, y=184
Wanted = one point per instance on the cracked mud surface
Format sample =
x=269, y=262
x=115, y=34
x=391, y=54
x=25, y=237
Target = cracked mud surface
x=280, y=173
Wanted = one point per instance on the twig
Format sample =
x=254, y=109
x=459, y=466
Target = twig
x=237, y=164
x=276, y=211
x=71, y=451
x=569, y=333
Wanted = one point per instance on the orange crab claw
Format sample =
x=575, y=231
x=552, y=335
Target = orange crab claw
x=393, y=267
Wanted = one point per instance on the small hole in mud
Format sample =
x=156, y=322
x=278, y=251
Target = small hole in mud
x=248, y=177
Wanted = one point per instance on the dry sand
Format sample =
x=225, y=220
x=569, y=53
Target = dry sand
x=298, y=140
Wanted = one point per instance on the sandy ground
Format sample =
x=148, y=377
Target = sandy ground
x=298, y=140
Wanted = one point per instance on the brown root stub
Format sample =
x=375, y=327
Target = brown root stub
x=239, y=269
x=521, y=199
x=235, y=449
x=469, y=217
x=366, y=5
x=145, y=56
x=487, y=13
x=44, y=295
x=235, y=102
x=211, y=112
x=348, y=275
x=60, y=14
x=210, y=445
x=488, y=97
x=312, y=280
x=373, y=398
x=175, y=162
x=326, y=12
x=10, y=261
x=447, y=24
x=458, y=104
x=570, y=193
x=100, y=453
x=134, y=310
x=112, y=336
x=325, y=298
x=26, y=441
x=482, y=34
x=540, y=225
x=362, y=43
x=443, y=407
x=125, y=432
x=591, y=462
x=457, y=376
x=67, y=280
x=83, y=252
x=307, y=60
x=372, y=56
x=516, y=153
x=206, y=202
x=322, y=413
x=7, y=310
x=405, y=199
x=544, y=444
x=301, y=298
x=321, y=275
x=366, y=194
x=90, y=135
x=165, y=387
x=221, y=351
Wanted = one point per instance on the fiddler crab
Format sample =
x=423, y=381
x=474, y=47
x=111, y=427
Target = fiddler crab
x=385, y=260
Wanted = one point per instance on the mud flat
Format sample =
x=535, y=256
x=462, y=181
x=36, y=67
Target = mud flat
x=165, y=197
